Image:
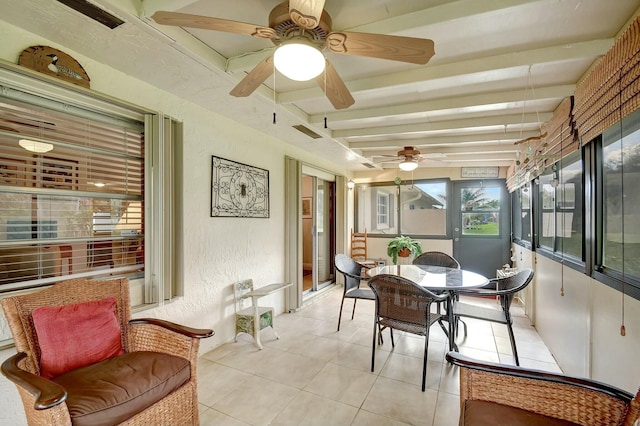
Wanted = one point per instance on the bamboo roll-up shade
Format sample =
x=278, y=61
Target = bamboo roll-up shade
x=611, y=91
x=560, y=140
x=561, y=136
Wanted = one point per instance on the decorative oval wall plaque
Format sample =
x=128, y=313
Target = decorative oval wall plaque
x=54, y=62
x=238, y=190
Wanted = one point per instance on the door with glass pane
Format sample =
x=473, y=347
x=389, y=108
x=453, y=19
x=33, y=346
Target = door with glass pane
x=481, y=231
x=318, y=227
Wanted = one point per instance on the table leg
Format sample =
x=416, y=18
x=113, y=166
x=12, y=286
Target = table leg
x=452, y=325
x=256, y=322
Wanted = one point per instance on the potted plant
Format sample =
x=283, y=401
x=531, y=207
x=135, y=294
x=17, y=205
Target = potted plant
x=403, y=246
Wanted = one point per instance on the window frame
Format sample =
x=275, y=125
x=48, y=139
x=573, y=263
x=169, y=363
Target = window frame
x=611, y=277
x=538, y=208
x=162, y=154
x=517, y=210
x=395, y=208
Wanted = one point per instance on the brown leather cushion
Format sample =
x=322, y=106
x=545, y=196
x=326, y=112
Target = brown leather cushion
x=116, y=389
x=484, y=413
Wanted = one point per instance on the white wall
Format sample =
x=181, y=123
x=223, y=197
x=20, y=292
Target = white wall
x=217, y=251
x=582, y=328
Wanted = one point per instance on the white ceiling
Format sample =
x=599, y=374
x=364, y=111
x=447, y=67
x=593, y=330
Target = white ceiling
x=501, y=67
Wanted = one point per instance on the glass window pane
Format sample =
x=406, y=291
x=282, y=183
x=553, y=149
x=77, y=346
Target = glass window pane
x=621, y=198
x=423, y=208
x=547, y=180
x=376, y=209
x=76, y=208
x=521, y=210
x=480, y=211
x=525, y=212
x=569, y=206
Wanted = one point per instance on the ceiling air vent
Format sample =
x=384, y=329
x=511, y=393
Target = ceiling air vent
x=369, y=165
x=307, y=131
x=94, y=12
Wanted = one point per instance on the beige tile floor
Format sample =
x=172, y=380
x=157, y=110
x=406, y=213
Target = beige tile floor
x=314, y=375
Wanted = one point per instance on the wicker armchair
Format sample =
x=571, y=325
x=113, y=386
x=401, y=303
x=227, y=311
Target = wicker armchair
x=495, y=394
x=152, y=380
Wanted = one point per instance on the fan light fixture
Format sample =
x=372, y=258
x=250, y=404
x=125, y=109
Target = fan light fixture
x=34, y=146
x=299, y=60
x=408, y=165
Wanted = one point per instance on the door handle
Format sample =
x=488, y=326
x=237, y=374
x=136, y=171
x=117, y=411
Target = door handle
x=456, y=239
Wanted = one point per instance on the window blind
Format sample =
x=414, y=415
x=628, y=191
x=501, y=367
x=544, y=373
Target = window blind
x=71, y=193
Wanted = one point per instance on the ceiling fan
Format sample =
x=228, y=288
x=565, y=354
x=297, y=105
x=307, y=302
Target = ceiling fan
x=299, y=27
x=408, y=158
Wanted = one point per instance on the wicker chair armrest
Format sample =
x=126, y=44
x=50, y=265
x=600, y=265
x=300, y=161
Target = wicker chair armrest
x=196, y=333
x=46, y=393
x=158, y=336
x=579, y=400
x=363, y=277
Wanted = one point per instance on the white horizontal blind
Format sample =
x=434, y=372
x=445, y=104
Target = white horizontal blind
x=76, y=209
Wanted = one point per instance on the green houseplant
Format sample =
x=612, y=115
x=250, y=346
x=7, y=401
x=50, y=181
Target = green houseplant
x=403, y=246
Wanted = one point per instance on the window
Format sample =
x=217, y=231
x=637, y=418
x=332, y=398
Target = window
x=546, y=208
x=382, y=218
x=423, y=208
x=521, y=220
x=560, y=210
x=620, y=197
x=416, y=209
x=72, y=190
x=376, y=209
x=480, y=211
x=569, y=193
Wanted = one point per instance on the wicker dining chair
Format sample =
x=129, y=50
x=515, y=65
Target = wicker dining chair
x=505, y=289
x=495, y=394
x=353, y=276
x=436, y=258
x=82, y=360
x=404, y=305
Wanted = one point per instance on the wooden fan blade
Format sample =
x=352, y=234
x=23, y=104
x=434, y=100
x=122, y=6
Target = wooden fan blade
x=216, y=24
x=255, y=78
x=382, y=46
x=336, y=90
x=306, y=13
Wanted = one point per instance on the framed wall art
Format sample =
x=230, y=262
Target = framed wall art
x=306, y=208
x=238, y=190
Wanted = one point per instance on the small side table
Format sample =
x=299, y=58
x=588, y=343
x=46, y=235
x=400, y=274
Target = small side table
x=257, y=294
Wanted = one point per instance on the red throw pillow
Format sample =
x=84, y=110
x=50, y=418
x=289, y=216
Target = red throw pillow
x=72, y=336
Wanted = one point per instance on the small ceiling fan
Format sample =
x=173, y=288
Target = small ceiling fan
x=300, y=28
x=408, y=158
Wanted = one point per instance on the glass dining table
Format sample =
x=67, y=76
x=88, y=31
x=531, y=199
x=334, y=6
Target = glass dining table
x=437, y=279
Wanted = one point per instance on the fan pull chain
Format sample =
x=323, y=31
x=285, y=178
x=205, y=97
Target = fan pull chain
x=325, y=94
x=274, y=92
